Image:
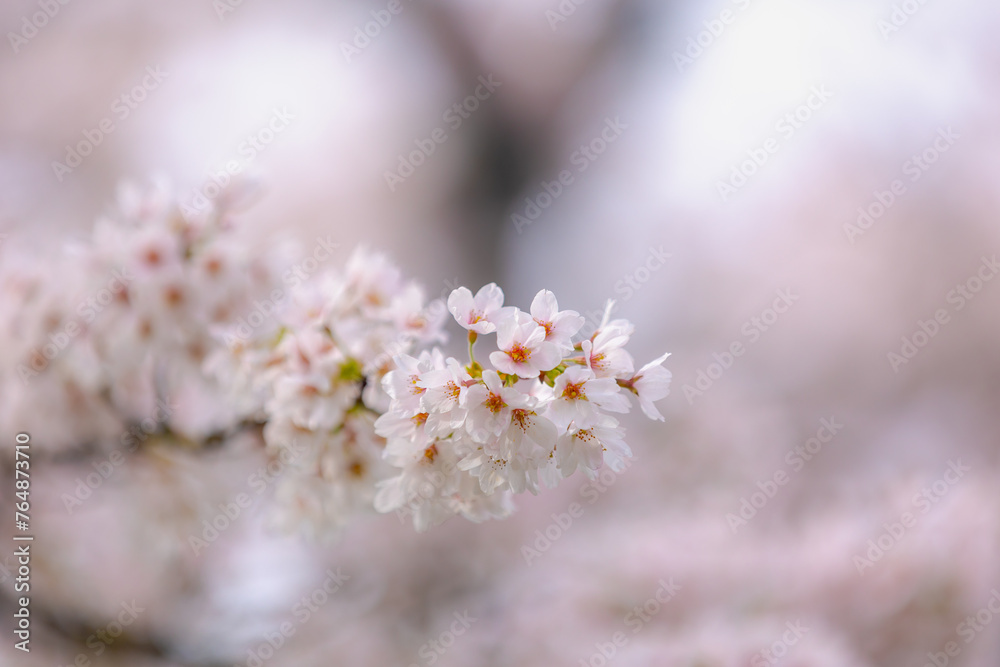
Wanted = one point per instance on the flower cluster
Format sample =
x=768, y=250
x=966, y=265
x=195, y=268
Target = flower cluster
x=316, y=376
x=170, y=314
x=118, y=328
x=464, y=437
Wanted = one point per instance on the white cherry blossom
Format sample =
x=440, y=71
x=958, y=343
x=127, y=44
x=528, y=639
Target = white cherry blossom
x=560, y=326
x=588, y=448
x=523, y=348
x=650, y=384
x=478, y=313
x=339, y=371
x=489, y=404
x=579, y=395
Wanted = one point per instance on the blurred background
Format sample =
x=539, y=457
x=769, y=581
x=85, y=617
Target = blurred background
x=797, y=199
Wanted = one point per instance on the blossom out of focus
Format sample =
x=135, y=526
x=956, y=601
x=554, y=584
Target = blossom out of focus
x=122, y=323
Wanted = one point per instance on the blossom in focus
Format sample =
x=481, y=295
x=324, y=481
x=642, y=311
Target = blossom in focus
x=560, y=326
x=651, y=384
x=538, y=414
x=479, y=313
x=579, y=395
x=524, y=351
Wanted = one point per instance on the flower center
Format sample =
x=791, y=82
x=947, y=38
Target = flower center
x=545, y=325
x=173, y=296
x=522, y=419
x=495, y=403
x=475, y=316
x=518, y=353
x=573, y=392
x=152, y=257
x=597, y=361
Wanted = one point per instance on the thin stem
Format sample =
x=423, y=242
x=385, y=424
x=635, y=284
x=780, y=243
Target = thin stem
x=472, y=341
